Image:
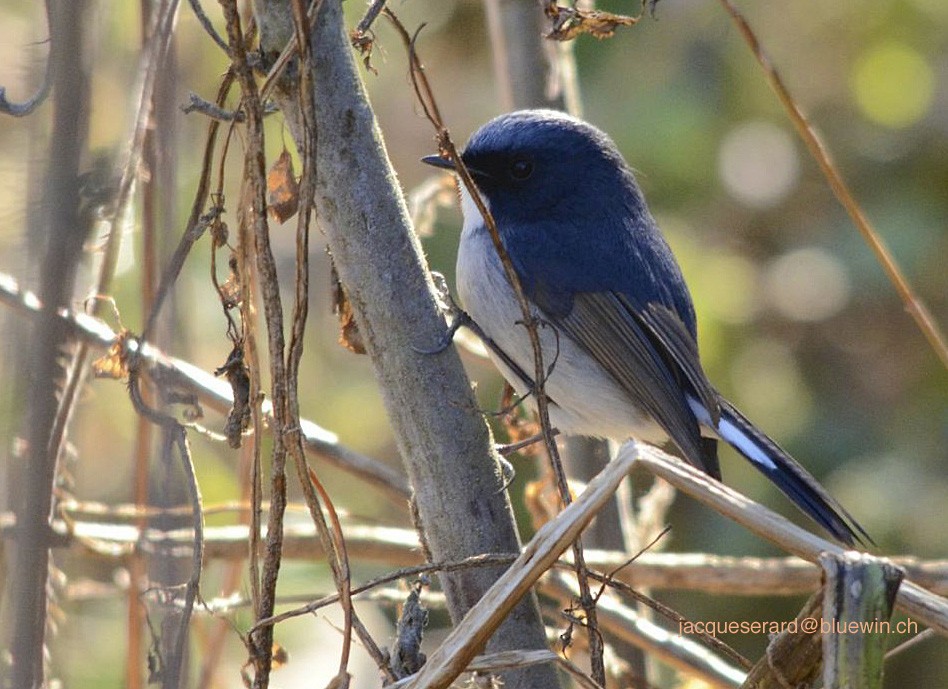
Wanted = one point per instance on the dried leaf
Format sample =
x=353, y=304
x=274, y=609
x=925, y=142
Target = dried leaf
x=283, y=191
x=518, y=425
x=114, y=363
x=568, y=23
x=230, y=288
x=219, y=232
x=349, y=335
x=364, y=42
x=237, y=374
x=279, y=655
x=406, y=656
x=541, y=498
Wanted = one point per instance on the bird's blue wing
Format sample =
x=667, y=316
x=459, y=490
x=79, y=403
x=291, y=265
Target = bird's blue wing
x=622, y=343
x=621, y=296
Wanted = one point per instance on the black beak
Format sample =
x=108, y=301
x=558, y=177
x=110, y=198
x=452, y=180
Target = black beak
x=438, y=161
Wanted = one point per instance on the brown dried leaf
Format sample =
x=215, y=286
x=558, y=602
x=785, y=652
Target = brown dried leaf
x=114, y=363
x=219, y=232
x=237, y=374
x=519, y=426
x=364, y=43
x=569, y=23
x=230, y=289
x=283, y=191
x=349, y=335
x=280, y=656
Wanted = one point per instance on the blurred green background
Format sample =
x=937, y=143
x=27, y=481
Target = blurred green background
x=798, y=324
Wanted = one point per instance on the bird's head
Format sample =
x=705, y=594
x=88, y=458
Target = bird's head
x=533, y=164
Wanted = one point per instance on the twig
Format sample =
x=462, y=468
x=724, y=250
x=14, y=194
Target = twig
x=197, y=221
x=144, y=436
x=288, y=52
x=910, y=643
x=911, y=598
x=159, y=34
x=212, y=110
x=208, y=27
x=913, y=303
x=332, y=539
x=627, y=625
x=30, y=104
x=177, y=438
x=510, y=448
x=670, y=614
x=389, y=596
x=461, y=645
x=335, y=547
x=212, y=391
x=476, y=561
x=370, y=15
x=253, y=218
x=104, y=532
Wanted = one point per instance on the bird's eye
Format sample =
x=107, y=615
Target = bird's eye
x=521, y=169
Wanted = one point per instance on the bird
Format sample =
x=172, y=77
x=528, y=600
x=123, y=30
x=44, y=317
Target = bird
x=617, y=330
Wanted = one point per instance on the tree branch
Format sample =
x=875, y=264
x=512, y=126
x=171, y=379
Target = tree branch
x=212, y=391
x=446, y=446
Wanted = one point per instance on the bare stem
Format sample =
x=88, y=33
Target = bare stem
x=914, y=304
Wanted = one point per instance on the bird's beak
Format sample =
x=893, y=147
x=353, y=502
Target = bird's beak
x=438, y=161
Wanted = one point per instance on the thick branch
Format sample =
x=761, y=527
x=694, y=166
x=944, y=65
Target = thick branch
x=65, y=234
x=461, y=507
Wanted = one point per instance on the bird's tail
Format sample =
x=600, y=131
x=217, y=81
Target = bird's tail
x=792, y=479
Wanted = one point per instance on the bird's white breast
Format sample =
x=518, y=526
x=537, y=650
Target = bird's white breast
x=585, y=400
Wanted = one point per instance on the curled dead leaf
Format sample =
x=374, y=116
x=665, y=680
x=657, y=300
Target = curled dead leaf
x=349, y=335
x=114, y=363
x=230, y=288
x=283, y=190
x=238, y=375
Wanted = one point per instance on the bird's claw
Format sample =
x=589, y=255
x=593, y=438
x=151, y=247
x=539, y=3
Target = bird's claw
x=454, y=313
x=460, y=320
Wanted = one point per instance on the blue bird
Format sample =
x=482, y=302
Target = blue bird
x=619, y=324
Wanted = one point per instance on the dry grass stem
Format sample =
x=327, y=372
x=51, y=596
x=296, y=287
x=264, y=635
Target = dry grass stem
x=913, y=303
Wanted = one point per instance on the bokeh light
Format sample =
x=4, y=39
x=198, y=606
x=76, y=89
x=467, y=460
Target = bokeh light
x=758, y=164
x=729, y=284
x=807, y=284
x=893, y=85
x=767, y=382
